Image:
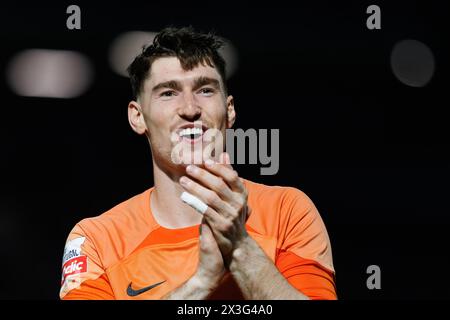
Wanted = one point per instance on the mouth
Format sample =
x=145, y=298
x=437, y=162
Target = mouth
x=191, y=133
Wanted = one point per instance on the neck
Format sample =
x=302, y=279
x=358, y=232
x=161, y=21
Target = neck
x=167, y=208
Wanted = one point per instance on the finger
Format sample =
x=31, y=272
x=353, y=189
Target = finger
x=207, y=241
x=225, y=159
x=211, y=181
x=213, y=233
x=227, y=173
x=209, y=197
x=194, y=202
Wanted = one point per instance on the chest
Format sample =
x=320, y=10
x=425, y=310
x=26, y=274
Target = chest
x=154, y=271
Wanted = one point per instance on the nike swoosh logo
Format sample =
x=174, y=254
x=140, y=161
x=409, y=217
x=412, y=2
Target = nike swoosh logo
x=132, y=293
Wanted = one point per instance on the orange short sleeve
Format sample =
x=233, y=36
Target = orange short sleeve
x=83, y=276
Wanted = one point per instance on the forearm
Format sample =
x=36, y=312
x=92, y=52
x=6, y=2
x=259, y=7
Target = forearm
x=196, y=288
x=257, y=276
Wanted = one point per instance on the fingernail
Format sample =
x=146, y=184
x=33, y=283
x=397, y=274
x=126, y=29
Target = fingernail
x=225, y=157
x=228, y=158
x=183, y=180
x=190, y=168
x=209, y=163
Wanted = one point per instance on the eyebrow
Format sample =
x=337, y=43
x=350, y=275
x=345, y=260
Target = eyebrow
x=198, y=83
x=171, y=84
x=203, y=81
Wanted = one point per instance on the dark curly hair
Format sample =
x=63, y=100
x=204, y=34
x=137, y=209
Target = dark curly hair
x=190, y=47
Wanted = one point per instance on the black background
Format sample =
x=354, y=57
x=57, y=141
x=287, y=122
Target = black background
x=370, y=151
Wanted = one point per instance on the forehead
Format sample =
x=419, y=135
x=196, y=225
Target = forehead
x=169, y=68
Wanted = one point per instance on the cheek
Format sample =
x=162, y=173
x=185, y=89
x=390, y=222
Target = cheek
x=220, y=112
x=158, y=121
x=156, y=118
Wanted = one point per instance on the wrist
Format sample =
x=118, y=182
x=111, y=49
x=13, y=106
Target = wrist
x=242, y=254
x=202, y=281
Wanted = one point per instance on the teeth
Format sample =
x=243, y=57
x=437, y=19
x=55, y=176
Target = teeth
x=189, y=131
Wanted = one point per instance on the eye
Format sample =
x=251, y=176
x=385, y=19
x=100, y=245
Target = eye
x=168, y=93
x=207, y=91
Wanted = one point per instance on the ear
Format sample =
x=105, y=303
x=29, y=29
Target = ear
x=231, y=113
x=136, y=118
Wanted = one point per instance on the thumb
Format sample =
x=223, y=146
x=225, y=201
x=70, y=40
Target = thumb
x=204, y=234
x=207, y=241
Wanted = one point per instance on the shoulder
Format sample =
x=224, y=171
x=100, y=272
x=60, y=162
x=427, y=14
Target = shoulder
x=290, y=216
x=283, y=197
x=132, y=210
x=277, y=206
x=116, y=232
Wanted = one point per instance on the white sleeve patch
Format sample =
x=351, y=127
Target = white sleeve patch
x=73, y=265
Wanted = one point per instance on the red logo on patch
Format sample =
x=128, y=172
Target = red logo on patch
x=74, y=266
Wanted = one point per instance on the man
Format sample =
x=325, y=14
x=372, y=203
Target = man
x=251, y=241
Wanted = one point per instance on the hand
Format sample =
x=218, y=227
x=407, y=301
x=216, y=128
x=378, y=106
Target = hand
x=220, y=187
x=210, y=268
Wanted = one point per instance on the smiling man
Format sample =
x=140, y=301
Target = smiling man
x=249, y=241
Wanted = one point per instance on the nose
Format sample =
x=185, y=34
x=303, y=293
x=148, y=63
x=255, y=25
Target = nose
x=190, y=110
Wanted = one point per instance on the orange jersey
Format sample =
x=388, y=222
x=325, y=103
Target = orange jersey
x=125, y=254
